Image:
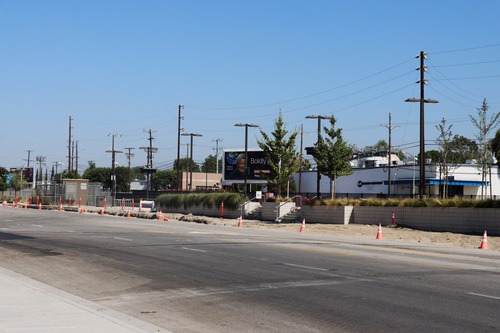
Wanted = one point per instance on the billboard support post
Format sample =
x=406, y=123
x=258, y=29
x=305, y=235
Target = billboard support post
x=246, y=125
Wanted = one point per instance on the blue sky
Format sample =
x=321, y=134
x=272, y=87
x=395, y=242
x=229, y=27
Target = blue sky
x=123, y=67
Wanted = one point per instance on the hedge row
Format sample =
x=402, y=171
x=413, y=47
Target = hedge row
x=427, y=202
x=207, y=200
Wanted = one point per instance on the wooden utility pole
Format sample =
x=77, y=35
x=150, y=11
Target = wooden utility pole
x=389, y=167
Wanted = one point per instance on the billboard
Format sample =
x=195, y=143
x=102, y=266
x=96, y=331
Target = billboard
x=234, y=167
x=27, y=175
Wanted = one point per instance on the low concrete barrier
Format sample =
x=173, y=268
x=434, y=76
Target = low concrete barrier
x=451, y=219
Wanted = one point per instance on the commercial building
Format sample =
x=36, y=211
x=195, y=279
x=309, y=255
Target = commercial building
x=370, y=178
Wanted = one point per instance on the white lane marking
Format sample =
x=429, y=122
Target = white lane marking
x=123, y=239
x=197, y=250
x=481, y=295
x=37, y=225
x=308, y=267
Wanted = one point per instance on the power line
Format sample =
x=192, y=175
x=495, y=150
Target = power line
x=466, y=49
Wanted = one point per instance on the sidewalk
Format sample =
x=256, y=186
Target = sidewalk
x=30, y=306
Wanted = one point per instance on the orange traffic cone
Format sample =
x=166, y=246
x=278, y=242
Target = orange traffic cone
x=128, y=213
x=166, y=219
x=82, y=210
x=303, y=226
x=240, y=222
x=25, y=205
x=484, y=242
x=160, y=216
x=102, y=211
x=379, y=232
x=60, y=207
x=40, y=206
x=5, y=203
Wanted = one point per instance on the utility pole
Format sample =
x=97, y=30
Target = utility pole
x=113, y=169
x=422, y=55
x=40, y=160
x=29, y=159
x=217, y=154
x=390, y=127
x=129, y=157
x=149, y=167
x=300, y=159
x=69, y=146
x=76, y=159
x=179, y=129
x=72, y=155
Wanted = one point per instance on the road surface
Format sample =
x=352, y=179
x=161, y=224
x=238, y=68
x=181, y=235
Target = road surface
x=189, y=277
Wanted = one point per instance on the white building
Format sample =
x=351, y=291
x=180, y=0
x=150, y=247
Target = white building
x=370, y=178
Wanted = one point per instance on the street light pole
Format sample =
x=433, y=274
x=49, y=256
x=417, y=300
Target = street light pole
x=191, y=157
x=179, y=185
x=422, y=55
x=318, y=174
x=246, y=125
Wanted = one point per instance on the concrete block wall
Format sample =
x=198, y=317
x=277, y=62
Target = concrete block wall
x=200, y=210
x=374, y=215
x=462, y=220
x=327, y=214
x=449, y=219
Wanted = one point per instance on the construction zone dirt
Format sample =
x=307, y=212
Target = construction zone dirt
x=357, y=231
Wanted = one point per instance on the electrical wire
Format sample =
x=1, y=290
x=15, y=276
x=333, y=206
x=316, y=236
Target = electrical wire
x=466, y=49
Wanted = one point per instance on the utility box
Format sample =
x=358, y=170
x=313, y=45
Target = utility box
x=75, y=189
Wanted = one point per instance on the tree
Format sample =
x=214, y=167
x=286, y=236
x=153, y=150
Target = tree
x=3, y=179
x=123, y=178
x=164, y=179
x=484, y=126
x=463, y=149
x=280, y=153
x=103, y=175
x=306, y=165
x=138, y=174
x=209, y=165
x=444, y=143
x=332, y=154
x=187, y=161
x=99, y=175
x=495, y=146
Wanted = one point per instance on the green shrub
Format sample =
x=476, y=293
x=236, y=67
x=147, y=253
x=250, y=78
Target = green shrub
x=374, y=202
x=391, y=203
x=432, y=202
x=207, y=200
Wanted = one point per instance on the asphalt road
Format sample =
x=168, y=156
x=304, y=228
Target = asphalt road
x=189, y=277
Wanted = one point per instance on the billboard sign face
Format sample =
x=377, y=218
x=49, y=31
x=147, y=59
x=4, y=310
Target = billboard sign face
x=234, y=167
